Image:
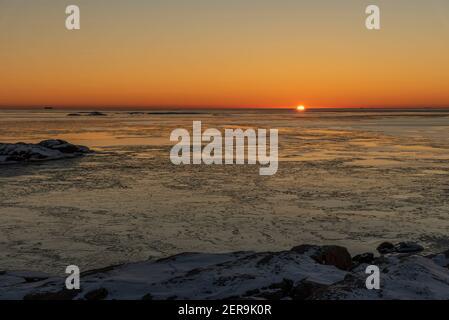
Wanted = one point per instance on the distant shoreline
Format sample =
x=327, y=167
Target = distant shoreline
x=199, y=110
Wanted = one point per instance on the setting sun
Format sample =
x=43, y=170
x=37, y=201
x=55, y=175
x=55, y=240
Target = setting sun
x=300, y=108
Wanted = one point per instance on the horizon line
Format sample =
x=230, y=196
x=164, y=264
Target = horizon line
x=186, y=107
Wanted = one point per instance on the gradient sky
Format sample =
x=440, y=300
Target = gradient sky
x=235, y=53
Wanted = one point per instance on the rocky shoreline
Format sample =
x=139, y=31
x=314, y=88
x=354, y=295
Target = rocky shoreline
x=12, y=153
x=305, y=272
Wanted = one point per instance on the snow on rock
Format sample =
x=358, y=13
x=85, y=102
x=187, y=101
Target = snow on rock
x=185, y=276
x=403, y=277
x=44, y=150
x=293, y=274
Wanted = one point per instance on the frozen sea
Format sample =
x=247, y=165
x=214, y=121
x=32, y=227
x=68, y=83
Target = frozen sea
x=350, y=177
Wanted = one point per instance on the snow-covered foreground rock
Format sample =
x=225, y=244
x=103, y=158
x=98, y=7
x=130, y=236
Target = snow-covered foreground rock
x=42, y=151
x=402, y=277
x=305, y=272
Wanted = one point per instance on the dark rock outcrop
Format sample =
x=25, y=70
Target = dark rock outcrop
x=408, y=247
x=329, y=255
x=385, y=247
x=89, y=114
x=335, y=256
x=401, y=247
x=96, y=114
x=44, y=150
x=303, y=273
x=363, y=258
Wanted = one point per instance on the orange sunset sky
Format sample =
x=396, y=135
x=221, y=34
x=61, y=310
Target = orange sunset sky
x=209, y=53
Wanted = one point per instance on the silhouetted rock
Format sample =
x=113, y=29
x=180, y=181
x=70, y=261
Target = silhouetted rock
x=385, y=247
x=408, y=247
x=173, y=113
x=363, y=258
x=64, y=146
x=335, y=256
x=401, y=247
x=44, y=150
x=96, y=114
x=330, y=255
